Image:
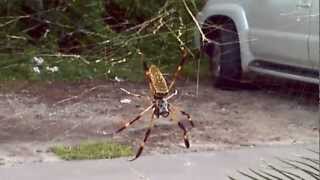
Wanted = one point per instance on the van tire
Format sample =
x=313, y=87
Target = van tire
x=224, y=54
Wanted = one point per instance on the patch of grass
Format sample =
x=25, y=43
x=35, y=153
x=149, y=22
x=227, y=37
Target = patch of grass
x=92, y=150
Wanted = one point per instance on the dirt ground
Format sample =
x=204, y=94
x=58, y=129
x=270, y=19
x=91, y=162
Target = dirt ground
x=36, y=116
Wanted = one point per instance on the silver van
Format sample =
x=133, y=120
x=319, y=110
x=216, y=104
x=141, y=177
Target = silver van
x=271, y=37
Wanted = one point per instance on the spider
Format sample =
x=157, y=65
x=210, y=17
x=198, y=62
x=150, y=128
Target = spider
x=160, y=106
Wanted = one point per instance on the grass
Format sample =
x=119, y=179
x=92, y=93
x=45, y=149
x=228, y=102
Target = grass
x=92, y=150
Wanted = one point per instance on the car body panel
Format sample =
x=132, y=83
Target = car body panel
x=283, y=32
x=314, y=35
x=280, y=30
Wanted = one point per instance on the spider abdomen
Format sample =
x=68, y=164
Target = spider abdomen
x=157, y=82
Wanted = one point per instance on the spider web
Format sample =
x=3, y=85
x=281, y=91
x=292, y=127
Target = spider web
x=59, y=40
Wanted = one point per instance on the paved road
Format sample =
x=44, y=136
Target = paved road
x=193, y=166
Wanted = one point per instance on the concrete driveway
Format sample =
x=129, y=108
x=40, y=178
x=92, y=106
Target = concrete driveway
x=193, y=166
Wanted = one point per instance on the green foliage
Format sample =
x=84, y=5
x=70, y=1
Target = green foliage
x=96, y=150
x=140, y=8
x=158, y=28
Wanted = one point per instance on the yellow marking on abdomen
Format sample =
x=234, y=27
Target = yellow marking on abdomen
x=158, y=82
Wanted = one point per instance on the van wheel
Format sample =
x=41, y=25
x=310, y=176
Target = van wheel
x=224, y=54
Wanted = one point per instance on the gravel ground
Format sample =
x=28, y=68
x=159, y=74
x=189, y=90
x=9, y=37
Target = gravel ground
x=35, y=116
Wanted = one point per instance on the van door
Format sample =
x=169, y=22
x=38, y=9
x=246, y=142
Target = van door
x=314, y=35
x=279, y=31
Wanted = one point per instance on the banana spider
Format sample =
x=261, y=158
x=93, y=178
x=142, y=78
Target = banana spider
x=160, y=106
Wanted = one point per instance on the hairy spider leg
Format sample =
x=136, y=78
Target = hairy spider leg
x=181, y=125
x=184, y=113
x=188, y=117
x=147, y=134
x=145, y=67
x=172, y=95
x=126, y=125
x=185, y=134
x=179, y=67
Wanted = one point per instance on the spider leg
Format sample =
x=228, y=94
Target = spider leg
x=146, y=73
x=145, y=66
x=185, y=136
x=188, y=116
x=182, y=127
x=172, y=95
x=179, y=67
x=134, y=120
x=148, y=132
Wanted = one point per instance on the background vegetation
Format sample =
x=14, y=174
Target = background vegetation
x=79, y=39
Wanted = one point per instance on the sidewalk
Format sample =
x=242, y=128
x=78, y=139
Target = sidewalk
x=193, y=166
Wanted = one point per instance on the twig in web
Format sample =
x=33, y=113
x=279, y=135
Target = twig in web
x=66, y=132
x=203, y=36
x=146, y=23
x=13, y=20
x=66, y=56
x=130, y=93
x=182, y=44
x=16, y=37
x=78, y=96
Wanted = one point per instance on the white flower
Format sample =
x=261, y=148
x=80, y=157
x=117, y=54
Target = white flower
x=52, y=69
x=36, y=69
x=38, y=60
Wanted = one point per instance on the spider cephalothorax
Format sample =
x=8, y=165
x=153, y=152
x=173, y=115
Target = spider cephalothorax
x=160, y=106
